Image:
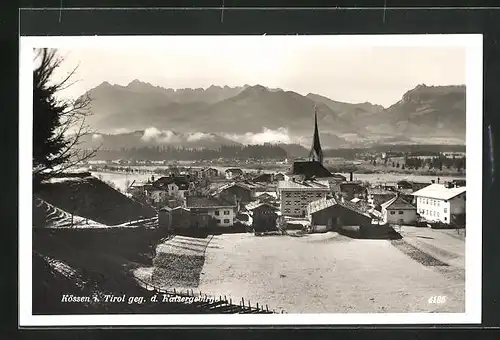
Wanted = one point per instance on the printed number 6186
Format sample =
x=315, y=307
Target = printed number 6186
x=437, y=299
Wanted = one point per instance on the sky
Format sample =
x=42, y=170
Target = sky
x=376, y=74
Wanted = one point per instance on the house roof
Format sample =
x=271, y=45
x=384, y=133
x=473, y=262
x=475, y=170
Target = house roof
x=244, y=185
x=254, y=205
x=439, y=191
x=379, y=191
x=235, y=170
x=266, y=195
x=181, y=182
x=207, y=202
x=310, y=169
x=310, y=185
x=263, y=178
x=398, y=203
x=355, y=200
x=321, y=204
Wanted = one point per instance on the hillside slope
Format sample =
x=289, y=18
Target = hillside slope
x=91, y=198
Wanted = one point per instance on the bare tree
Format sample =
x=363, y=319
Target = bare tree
x=59, y=124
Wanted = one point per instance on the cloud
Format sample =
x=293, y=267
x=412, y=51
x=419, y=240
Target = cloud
x=160, y=136
x=120, y=131
x=280, y=135
x=197, y=136
x=96, y=137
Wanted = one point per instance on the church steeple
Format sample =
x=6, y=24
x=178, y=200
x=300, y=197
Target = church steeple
x=316, y=153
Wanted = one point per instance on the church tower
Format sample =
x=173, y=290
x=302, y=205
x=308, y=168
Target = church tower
x=316, y=154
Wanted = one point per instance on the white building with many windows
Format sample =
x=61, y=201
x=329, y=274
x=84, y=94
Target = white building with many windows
x=296, y=195
x=440, y=202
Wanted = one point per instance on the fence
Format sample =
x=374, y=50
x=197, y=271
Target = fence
x=220, y=305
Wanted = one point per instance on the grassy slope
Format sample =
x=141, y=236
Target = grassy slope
x=91, y=198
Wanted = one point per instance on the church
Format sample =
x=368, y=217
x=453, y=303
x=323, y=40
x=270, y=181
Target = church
x=313, y=168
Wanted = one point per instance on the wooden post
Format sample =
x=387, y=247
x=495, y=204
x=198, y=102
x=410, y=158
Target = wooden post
x=174, y=292
x=267, y=308
x=243, y=302
x=257, y=305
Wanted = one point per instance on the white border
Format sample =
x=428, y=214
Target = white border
x=474, y=108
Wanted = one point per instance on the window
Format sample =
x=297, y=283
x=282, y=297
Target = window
x=446, y=219
x=393, y=212
x=226, y=212
x=400, y=212
x=445, y=210
x=219, y=221
x=287, y=194
x=287, y=211
x=217, y=213
x=318, y=194
x=438, y=214
x=226, y=221
x=287, y=202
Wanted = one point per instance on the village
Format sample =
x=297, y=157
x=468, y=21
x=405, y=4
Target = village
x=215, y=229
x=307, y=197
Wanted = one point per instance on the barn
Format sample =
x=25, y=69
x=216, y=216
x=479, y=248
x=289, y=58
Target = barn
x=264, y=216
x=333, y=214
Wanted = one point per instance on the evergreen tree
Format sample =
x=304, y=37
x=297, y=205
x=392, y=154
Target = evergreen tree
x=58, y=124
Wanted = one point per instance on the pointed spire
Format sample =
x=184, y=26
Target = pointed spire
x=316, y=153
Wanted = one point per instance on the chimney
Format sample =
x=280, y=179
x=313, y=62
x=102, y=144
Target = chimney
x=350, y=176
x=152, y=178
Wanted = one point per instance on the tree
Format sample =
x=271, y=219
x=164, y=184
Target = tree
x=59, y=124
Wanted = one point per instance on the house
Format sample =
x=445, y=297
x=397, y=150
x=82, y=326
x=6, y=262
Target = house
x=233, y=173
x=265, y=197
x=310, y=169
x=351, y=189
x=263, y=178
x=334, y=213
x=175, y=186
x=409, y=185
x=240, y=191
x=296, y=195
x=279, y=177
x=441, y=202
x=376, y=196
x=210, y=173
x=222, y=211
x=264, y=216
x=399, y=211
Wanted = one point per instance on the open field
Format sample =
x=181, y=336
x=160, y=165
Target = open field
x=328, y=273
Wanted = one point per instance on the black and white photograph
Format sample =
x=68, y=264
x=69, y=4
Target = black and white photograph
x=250, y=180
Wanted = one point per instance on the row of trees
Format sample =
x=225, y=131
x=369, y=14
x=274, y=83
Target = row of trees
x=438, y=163
x=184, y=154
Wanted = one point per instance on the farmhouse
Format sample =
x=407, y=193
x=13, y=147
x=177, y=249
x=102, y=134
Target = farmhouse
x=171, y=186
x=441, y=202
x=240, y=191
x=333, y=213
x=233, y=173
x=295, y=196
x=223, y=211
x=182, y=218
x=399, y=211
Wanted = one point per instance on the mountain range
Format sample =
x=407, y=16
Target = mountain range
x=151, y=115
